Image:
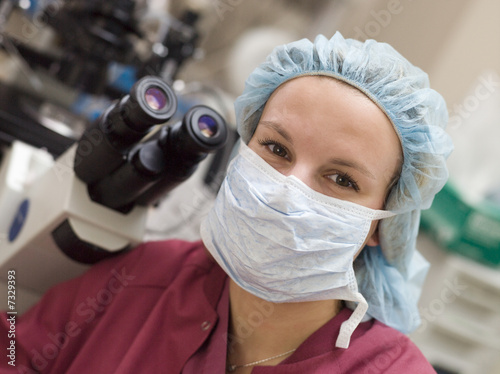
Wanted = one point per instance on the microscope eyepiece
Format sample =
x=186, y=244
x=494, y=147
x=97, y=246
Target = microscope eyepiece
x=151, y=102
x=206, y=129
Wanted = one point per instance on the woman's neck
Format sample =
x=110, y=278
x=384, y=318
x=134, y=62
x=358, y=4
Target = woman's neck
x=259, y=329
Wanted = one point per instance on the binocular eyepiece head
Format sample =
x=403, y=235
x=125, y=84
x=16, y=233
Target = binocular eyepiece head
x=122, y=168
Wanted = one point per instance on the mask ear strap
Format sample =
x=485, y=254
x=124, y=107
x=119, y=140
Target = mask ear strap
x=348, y=327
x=381, y=214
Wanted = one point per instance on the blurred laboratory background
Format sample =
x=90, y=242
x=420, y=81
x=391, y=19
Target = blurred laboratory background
x=65, y=63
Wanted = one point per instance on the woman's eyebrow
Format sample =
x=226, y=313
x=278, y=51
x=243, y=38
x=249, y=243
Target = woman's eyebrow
x=279, y=129
x=352, y=164
x=337, y=161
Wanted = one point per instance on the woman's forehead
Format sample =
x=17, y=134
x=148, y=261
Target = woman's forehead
x=313, y=81
x=311, y=98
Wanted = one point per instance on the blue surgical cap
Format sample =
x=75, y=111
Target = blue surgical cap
x=390, y=276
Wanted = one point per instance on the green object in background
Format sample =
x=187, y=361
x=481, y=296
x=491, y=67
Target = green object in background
x=472, y=231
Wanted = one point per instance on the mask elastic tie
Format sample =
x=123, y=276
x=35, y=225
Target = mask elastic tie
x=347, y=328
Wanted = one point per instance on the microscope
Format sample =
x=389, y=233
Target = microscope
x=92, y=202
x=79, y=201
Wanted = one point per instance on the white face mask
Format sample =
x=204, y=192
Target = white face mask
x=284, y=242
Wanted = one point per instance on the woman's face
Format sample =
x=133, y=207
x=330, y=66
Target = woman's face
x=333, y=138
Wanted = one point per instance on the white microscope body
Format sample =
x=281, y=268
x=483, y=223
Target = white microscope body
x=55, y=201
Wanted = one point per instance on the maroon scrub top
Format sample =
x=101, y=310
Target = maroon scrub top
x=163, y=308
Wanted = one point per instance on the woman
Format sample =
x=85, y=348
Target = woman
x=308, y=261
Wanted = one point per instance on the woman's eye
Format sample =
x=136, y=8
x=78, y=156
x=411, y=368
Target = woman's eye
x=344, y=181
x=275, y=147
x=278, y=150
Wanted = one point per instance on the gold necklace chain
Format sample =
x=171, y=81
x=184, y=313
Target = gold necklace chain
x=232, y=367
